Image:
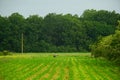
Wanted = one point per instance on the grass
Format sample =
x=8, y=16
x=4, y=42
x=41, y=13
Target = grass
x=68, y=66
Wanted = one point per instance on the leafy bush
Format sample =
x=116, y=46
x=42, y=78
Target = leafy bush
x=4, y=53
x=1, y=53
x=108, y=47
x=101, y=47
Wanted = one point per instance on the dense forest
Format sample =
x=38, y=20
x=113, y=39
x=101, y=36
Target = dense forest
x=56, y=32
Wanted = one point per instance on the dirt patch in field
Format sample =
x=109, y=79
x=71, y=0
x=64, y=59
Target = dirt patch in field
x=1, y=78
x=66, y=77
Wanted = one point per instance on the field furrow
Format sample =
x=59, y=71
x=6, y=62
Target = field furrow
x=63, y=67
x=29, y=71
x=66, y=68
x=43, y=72
x=81, y=75
x=47, y=74
x=55, y=73
x=38, y=72
x=105, y=74
x=35, y=70
x=61, y=75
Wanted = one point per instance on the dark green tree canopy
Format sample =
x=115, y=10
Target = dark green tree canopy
x=56, y=32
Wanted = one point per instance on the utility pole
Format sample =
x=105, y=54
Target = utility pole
x=22, y=43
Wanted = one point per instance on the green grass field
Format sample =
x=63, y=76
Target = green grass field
x=76, y=66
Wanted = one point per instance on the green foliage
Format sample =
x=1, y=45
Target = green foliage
x=1, y=53
x=5, y=53
x=101, y=48
x=56, y=32
x=101, y=16
x=108, y=47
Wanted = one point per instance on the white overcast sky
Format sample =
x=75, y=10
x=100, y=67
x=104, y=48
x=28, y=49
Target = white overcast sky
x=43, y=7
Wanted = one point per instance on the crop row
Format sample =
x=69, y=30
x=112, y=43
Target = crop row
x=58, y=68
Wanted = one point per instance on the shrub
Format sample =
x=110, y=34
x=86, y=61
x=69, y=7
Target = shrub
x=4, y=53
x=1, y=53
x=108, y=47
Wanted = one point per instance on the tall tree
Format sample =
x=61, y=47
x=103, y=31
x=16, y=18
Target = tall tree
x=33, y=33
x=17, y=23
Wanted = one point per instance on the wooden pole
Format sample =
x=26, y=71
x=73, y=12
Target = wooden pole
x=22, y=43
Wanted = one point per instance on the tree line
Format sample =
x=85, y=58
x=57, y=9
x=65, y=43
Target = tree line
x=56, y=32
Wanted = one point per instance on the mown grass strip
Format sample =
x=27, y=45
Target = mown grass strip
x=70, y=68
x=81, y=75
x=15, y=75
x=61, y=75
x=85, y=70
x=47, y=74
x=106, y=74
x=36, y=74
x=55, y=73
x=35, y=70
x=32, y=71
x=26, y=72
x=38, y=77
x=9, y=68
x=66, y=69
x=76, y=70
x=95, y=67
